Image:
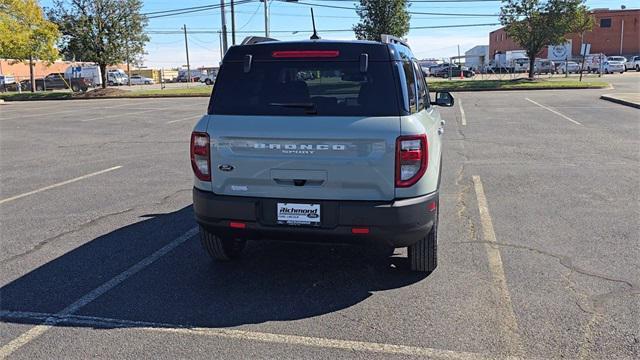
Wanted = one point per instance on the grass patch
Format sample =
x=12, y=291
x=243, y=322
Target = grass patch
x=42, y=95
x=192, y=91
x=518, y=84
x=110, y=93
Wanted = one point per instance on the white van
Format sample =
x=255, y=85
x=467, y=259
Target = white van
x=116, y=77
x=90, y=72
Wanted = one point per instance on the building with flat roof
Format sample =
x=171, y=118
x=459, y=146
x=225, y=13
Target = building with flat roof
x=616, y=32
x=476, y=57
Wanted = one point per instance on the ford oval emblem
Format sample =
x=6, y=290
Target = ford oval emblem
x=226, y=167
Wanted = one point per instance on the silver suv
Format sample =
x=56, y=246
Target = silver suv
x=324, y=141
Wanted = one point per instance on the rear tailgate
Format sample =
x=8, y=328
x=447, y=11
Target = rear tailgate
x=310, y=120
x=312, y=157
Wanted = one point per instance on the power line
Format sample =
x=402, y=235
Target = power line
x=169, y=32
x=410, y=12
x=174, y=12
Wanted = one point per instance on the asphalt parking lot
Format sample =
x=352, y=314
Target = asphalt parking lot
x=538, y=243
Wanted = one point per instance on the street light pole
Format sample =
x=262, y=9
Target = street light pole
x=224, y=28
x=186, y=47
x=266, y=18
x=233, y=24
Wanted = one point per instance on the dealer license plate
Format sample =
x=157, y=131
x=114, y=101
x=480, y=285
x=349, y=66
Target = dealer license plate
x=298, y=214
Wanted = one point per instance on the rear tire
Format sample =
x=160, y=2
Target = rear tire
x=423, y=255
x=221, y=249
x=208, y=82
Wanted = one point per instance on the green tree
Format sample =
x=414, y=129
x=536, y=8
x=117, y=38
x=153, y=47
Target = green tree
x=25, y=34
x=106, y=32
x=534, y=24
x=379, y=17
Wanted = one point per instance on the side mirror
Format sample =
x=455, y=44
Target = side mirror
x=443, y=99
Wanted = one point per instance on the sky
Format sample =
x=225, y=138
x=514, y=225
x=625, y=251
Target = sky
x=291, y=21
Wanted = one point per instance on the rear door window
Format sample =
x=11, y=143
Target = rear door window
x=302, y=87
x=423, y=95
x=410, y=81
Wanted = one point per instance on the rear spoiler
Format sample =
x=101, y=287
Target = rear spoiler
x=250, y=40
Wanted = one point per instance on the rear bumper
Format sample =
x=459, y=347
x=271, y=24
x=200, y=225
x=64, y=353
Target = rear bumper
x=397, y=223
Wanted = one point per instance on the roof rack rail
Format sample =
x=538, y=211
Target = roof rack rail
x=250, y=40
x=390, y=39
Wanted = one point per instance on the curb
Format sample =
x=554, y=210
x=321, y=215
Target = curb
x=529, y=89
x=111, y=97
x=620, y=101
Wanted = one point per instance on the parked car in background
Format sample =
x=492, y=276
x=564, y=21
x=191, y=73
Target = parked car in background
x=633, y=63
x=610, y=67
x=455, y=72
x=141, y=80
x=7, y=83
x=435, y=68
x=425, y=71
x=593, y=62
x=208, y=79
x=117, y=77
x=621, y=59
x=57, y=81
x=567, y=67
x=520, y=65
x=544, y=67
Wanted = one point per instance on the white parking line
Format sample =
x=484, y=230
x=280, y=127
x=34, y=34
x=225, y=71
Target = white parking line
x=56, y=318
x=184, y=119
x=59, y=184
x=506, y=314
x=349, y=345
x=122, y=115
x=463, y=118
x=553, y=111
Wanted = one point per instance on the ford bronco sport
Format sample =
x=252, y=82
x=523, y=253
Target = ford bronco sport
x=329, y=141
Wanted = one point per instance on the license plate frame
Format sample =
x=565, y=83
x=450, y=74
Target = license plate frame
x=298, y=214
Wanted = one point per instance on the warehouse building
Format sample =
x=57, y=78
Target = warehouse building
x=616, y=32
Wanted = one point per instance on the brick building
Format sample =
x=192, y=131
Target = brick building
x=616, y=32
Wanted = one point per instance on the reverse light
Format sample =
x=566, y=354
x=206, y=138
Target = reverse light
x=411, y=159
x=200, y=155
x=305, y=54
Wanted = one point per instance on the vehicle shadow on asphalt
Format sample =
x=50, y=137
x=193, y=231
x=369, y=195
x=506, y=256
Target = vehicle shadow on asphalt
x=274, y=281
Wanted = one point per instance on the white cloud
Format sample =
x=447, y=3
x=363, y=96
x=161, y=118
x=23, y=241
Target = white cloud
x=444, y=46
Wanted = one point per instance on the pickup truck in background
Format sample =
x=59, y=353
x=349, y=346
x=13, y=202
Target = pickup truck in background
x=633, y=63
x=57, y=81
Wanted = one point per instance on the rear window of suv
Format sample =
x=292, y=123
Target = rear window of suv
x=295, y=87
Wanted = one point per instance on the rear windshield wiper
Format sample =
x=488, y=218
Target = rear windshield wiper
x=309, y=107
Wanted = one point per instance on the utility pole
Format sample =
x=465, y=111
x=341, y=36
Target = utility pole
x=460, y=63
x=220, y=43
x=128, y=62
x=186, y=47
x=621, y=36
x=233, y=24
x=127, y=54
x=32, y=80
x=266, y=18
x=224, y=28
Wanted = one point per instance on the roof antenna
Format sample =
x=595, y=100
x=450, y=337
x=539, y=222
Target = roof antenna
x=315, y=33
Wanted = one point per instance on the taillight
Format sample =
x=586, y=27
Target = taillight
x=412, y=153
x=200, y=156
